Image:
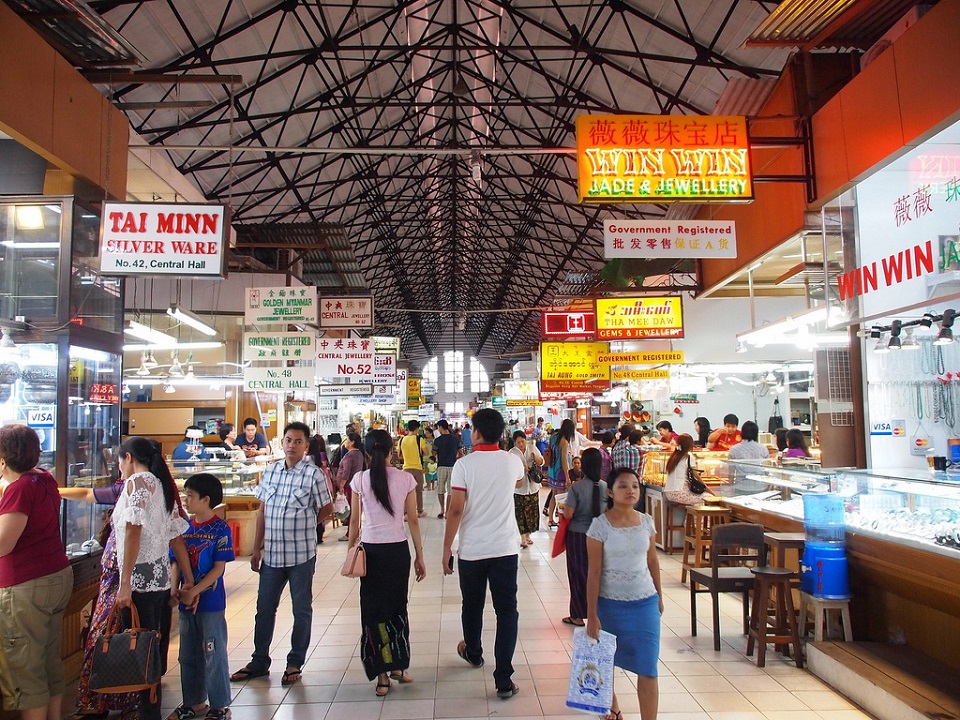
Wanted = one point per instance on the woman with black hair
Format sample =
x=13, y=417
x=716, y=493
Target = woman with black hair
x=702, y=427
x=352, y=461
x=583, y=504
x=677, y=488
x=317, y=452
x=383, y=494
x=561, y=462
x=526, y=494
x=145, y=520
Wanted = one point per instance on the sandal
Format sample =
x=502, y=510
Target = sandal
x=401, y=677
x=246, y=673
x=570, y=621
x=290, y=676
x=382, y=688
x=613, y=715
x=462, y=652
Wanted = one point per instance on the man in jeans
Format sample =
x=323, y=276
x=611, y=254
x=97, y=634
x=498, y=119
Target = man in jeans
x=293, y=500
x=481, y=509
x=447, y=448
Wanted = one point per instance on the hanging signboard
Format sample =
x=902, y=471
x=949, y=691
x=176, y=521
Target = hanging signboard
x=383, y=394
x=573, y=367
x=344, y=390
x=346, y=312
x=665, y=357
x=385, y=369
x=623, y=158
x=349, y=360
x=280, y=305
x=570, y=325
x=640, y=374
x=162, y=239
x=521, y=392
x=278, y=346
x=413, y=393
x=385, y=344
x=400, y=389
x=278, y=379
x=624, y=318
x=669, y=239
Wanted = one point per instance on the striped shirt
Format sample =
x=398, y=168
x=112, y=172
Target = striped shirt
x=620, y=455
x=292, y=499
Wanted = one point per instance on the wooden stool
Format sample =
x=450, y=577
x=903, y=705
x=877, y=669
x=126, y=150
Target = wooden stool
x=821, y=607
x=770, y=581
x=696, y=542
x=675, y=515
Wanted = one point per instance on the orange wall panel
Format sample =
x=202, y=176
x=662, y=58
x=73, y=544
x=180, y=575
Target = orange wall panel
x=830, y=145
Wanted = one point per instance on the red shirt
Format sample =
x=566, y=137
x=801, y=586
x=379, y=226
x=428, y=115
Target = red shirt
x=725, y=442
x=39, y=551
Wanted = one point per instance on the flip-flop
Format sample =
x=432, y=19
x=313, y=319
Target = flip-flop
x=570, y=621
x=613, y=715
x=290, y=676
x=246, y=673
x=401, y=677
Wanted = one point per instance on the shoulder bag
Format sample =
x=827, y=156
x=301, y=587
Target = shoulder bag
x=355, y=563
x=127, y=661
x=694, y=483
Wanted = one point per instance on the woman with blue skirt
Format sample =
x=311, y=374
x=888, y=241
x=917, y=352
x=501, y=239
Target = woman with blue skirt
x=623, y=588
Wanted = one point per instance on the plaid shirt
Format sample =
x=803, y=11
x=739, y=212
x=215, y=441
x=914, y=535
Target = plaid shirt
x=633, y=457
x=291, y=502
x=620, y=454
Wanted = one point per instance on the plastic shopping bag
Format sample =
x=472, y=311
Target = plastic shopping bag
x=591, y=673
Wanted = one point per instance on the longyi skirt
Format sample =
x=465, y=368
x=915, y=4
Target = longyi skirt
x=636, y=623
x=385, y=644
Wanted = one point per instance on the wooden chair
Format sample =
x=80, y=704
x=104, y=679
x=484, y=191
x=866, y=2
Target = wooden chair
x=733, y=546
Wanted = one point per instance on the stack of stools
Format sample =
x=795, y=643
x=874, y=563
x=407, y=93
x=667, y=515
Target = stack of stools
x=697, y=539
x=772, y=588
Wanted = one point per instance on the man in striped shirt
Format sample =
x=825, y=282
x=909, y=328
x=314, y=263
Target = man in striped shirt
x=294, y=499
x=620, y=452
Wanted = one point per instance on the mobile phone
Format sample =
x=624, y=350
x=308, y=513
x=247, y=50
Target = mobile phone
x=450, y=563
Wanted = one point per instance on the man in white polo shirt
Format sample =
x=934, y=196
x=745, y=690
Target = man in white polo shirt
x=481, y=509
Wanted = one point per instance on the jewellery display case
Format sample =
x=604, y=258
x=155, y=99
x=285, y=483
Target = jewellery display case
x=238, y=477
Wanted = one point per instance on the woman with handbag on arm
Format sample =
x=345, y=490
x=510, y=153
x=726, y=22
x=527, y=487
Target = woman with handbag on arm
x=561, y=462
x=36, y=579
x=526, y=495
x=382, y=494
x=351, y=463
x=145, y=520
x=679, y=467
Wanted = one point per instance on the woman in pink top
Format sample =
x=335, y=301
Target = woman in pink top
x=385, y=493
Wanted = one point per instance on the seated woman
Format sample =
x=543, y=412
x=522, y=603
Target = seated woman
x=677, y=490
x=796, y=445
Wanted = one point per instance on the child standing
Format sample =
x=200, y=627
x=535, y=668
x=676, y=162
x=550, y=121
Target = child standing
x=431, y=473
x=203, y=627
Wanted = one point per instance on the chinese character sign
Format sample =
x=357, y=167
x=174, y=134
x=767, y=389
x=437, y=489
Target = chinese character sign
x=345, y=360
x=280, y=305
x=622, y=318
x=663, y=157
x=578, y=325
x=346, y=311
x=573, y=367
x=278, y=346
x=669, y=239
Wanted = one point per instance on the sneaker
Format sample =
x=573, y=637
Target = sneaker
x=184, y=712
x=218, y=714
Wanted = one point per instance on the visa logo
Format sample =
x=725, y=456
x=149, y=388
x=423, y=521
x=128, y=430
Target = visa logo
x=883, y=427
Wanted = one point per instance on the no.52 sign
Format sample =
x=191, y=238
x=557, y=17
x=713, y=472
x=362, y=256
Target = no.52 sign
x=345, y=359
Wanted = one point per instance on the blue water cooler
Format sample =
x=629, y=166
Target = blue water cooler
x=824, y=565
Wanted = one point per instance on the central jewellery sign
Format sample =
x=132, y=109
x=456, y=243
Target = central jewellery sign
x=349, y=360
x=623, y=318
x=348, y=311
x=623, y=158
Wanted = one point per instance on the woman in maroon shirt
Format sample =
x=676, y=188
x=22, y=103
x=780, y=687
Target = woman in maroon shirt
x=36, y=579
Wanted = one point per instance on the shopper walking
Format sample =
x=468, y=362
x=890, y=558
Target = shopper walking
x=526, y=494
x=624, y=596
x=293, y=499
x=145, y=519
x=382, y=494
x=36, y=580
x=413, y=449
x=481, y=510
x=561, y=461
x=352, y=462
x=583, y=504
x=447, y=448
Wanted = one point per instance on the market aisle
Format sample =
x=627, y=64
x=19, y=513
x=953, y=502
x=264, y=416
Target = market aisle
x=695, y=682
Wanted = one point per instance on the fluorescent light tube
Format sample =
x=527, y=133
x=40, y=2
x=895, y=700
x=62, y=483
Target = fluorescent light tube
x=141, y=331
x=188, y=318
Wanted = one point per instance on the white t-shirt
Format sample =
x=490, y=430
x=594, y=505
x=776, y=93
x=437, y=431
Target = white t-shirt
x=488, y=528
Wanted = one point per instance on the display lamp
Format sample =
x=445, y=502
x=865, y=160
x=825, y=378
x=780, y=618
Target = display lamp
x=909, y=342
x=169, y=389
x=188, y=318
x=6, y=340
x=895, y=329
x=742, y=348
x=881, y=346
x=945, y=336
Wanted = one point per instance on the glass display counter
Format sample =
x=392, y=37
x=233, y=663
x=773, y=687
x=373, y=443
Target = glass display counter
x=238, y=477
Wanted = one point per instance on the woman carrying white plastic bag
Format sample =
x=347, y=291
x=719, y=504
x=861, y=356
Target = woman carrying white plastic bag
x=624, y=596
x=590, y=688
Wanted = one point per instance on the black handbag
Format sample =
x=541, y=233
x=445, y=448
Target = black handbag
x=693, y=481
x=776, y=420
x=535, y=474
x=127, y=661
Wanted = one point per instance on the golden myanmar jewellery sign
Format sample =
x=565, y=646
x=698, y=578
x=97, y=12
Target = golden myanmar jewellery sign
x=623, y=158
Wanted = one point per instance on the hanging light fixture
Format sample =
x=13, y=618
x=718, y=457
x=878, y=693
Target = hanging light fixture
x=6, y=340
x=909, y=342
x=895, y=328
x=176, y=369
x=143, y=370
x=168, y=388
x=945, y=336
x=188, y=318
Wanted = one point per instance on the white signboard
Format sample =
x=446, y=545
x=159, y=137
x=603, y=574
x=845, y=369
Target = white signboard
x=344, y=390
x=384, y=395
x=43, y=416
x=521, y=390
x=385, y=369
x=280, y=305
x=669, y=239
x=400, y=391
x=385, y=344
x=278, y=379
x=348, y=360
x=162, y=239
x=279, y=346
x=346, y=311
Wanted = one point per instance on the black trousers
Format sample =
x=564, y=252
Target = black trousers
x=501, y=575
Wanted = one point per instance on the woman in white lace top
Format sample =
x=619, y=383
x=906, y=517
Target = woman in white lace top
x=623, y=588
x=145, y=520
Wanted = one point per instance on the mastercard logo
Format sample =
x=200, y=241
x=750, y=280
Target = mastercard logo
x=899, y=432
x=921, y=442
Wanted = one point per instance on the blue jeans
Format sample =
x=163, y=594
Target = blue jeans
x=272, y=582
x=203, y=659
x=501, y=574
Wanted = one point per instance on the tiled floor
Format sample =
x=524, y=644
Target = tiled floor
x=696, y=683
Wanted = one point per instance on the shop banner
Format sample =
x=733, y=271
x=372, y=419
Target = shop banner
x=668, y=357
x=280, y=305
x=413, y=393
x=385, y=369
x=573, y=367
x=385, y=344
x=640, y=374
x=349, y=312
x=400, y=389
x=669, y=239
x=521, y=390
x=627, y=318
x=344, y=390
x=349, y=360
x=571, y=325
x=278, y=379
x=624, y=158
x=384, y=395
x=162, y=239
x=278, y=346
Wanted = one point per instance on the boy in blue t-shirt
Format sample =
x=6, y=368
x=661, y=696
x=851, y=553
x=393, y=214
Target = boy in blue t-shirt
x=203, y=627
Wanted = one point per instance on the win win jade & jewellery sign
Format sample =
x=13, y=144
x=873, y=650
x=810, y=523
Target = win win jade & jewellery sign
x=623, y=158
x=669, y=239
x=345, y=360
x=278, y=346
x=162, y=239
x=280, y=305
